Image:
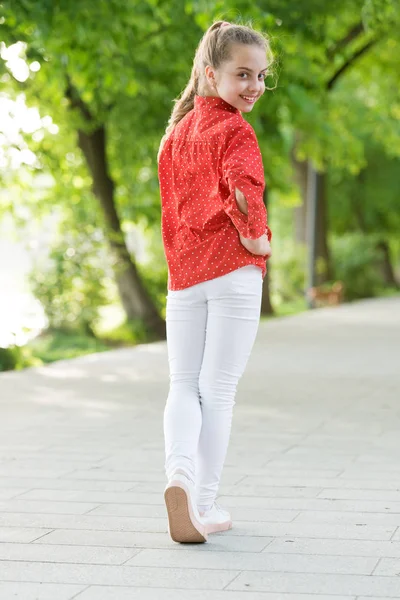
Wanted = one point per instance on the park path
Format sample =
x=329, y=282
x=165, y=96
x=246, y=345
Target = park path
x=312, y=477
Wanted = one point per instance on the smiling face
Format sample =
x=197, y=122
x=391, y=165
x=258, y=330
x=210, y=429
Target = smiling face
x=240, y=80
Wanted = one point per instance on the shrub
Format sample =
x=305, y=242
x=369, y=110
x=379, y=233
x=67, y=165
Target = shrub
x=73, y=282
x=288, y=267
x=17, y=357
x=356, y=264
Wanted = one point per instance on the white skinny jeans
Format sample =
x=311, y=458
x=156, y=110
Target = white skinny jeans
x=211, y=329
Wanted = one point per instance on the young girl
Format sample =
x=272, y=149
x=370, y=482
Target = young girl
x=216, y=242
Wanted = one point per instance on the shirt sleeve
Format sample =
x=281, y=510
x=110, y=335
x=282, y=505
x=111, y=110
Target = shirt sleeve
x=242, y=168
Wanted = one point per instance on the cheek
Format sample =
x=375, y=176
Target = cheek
x=237, y=84
x=229, y=83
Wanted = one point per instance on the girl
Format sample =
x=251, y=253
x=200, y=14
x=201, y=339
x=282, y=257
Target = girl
x=216, y=242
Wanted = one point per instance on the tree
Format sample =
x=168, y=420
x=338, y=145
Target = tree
x=368, y=203
x=330, y=140
x=96, y=60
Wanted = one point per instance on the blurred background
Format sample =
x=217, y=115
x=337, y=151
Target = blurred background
x=86, y=91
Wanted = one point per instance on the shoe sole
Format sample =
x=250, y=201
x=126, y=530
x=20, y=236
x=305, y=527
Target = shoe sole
x=217, y=527
x=183, y=526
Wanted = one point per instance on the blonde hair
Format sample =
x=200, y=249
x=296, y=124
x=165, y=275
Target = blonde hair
x=214, y=49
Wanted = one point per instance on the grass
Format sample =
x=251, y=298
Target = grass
x=291, y=308
x=59, y=345
x=287, y=309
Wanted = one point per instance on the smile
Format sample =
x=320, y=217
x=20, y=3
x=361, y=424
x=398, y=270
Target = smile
x=249, y=99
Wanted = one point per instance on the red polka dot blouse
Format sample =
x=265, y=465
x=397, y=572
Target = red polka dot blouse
x=210, y=152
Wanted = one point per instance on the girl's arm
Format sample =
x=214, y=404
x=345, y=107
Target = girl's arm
x=243, y=174
x=259, y=246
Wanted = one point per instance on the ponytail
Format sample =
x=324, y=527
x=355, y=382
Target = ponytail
x=185, y=103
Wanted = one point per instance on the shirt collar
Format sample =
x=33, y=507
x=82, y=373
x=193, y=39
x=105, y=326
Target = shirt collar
x=208, y=102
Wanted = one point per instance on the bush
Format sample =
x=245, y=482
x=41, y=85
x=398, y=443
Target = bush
x=288, y=268
x=62, y=344
x=9, y=358
x=17, y=357
x=356, y=264
x=74, y=281
x=128, y=333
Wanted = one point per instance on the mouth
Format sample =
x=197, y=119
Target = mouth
x=249, y=99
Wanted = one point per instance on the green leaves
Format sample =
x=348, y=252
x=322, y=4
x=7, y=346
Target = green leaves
x=381, y=15
x=128, y=60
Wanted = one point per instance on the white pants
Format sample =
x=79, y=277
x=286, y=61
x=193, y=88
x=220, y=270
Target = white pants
x=211, y=328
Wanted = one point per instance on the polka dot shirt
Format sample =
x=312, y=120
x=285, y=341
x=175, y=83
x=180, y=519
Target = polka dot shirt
x=210, y=152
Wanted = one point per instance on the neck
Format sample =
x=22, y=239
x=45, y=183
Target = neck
x=207, y=90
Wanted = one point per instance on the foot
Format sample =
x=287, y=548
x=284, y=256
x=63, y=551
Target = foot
x=184, y=522
x=216, y=519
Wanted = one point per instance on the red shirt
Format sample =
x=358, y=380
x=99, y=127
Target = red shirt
x=209, y=153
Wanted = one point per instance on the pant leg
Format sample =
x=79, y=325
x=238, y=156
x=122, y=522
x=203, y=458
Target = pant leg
x=234, y=306
x=186, y=319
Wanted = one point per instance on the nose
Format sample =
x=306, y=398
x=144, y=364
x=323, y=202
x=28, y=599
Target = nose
x=254, y=86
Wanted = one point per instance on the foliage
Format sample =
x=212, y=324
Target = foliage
x=17, y=357
x=288, y=273
x=73, y=281
x=113, y=54
x=355, y=264
x=369, y=201
x=153, y=269
x=62, y=344
x=127, y=333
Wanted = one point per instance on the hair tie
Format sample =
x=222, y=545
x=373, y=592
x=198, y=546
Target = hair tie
x=224, y=24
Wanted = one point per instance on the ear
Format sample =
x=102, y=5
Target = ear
x=210, y=75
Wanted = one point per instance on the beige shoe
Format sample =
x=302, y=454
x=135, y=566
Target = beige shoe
x=216, y=519
x=184, y=522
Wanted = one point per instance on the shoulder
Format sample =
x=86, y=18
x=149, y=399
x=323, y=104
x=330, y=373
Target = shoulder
x=182, y=125
x=238, y=134
x=236, y=128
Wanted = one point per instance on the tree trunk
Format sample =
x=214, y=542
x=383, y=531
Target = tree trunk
x=302, y=235
x=266, y=306
x=135, y=299
x=323, y=256
x=386, y=267
x=300, y=212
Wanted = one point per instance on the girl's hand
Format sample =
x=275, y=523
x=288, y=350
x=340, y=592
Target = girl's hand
x=260, y=246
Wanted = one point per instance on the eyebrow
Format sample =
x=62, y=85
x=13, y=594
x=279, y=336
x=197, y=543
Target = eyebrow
x=250, y=70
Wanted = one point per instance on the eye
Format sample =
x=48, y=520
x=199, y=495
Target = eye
x=240, y=74
x=262, y=75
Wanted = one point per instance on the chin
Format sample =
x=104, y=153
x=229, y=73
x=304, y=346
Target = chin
x=247, y=109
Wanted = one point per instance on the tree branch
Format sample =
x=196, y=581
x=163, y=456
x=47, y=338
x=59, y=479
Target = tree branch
x=349, y=63
x=76, y=101
x=345, y=41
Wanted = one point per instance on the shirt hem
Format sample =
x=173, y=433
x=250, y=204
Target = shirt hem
x=221, y=272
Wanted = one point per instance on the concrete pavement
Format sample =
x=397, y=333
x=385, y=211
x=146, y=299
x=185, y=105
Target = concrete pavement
x=312, y=477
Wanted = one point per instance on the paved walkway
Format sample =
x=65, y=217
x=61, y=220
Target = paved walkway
x=312, y=476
